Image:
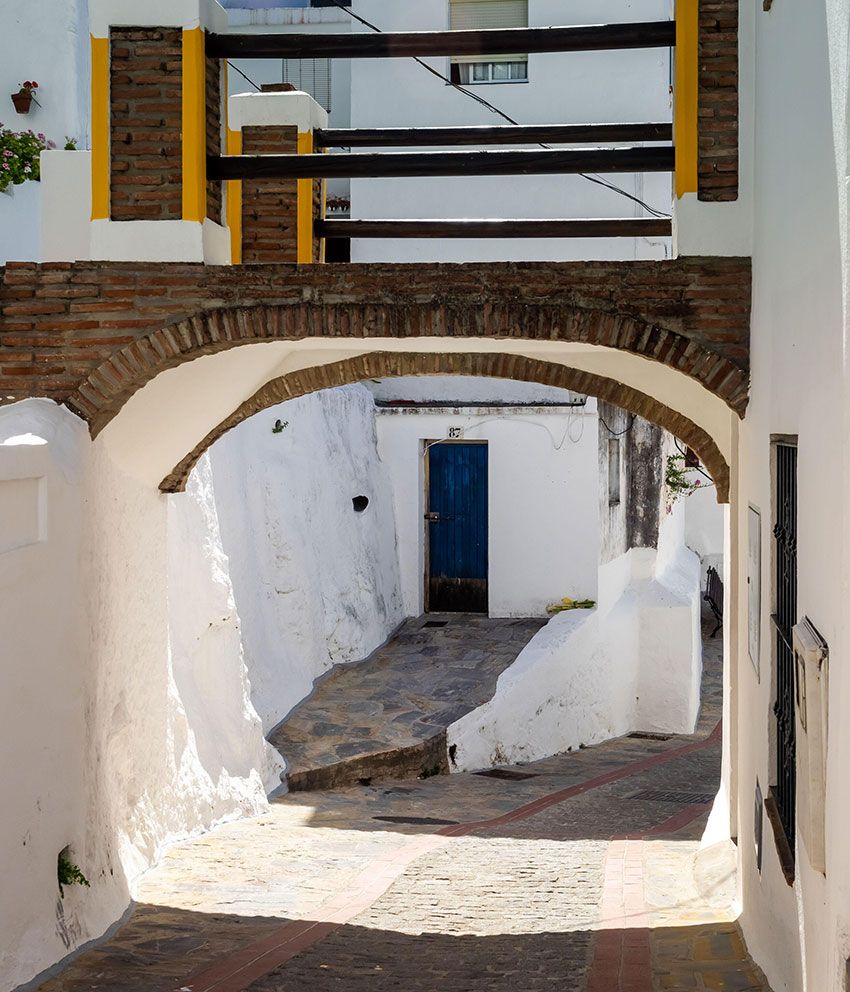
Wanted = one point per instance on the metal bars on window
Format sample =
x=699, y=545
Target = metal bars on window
x=312, y=76
x=784, y=618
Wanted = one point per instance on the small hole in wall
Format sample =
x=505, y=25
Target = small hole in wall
x=360, y=503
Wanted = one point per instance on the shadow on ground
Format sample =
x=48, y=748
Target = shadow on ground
x=160, y=950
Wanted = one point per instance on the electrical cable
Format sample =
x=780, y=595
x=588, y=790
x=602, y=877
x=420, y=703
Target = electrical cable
x=497, y=110
x=614, y=433
x=259, y=89
x=696, y=468
x=556, y=445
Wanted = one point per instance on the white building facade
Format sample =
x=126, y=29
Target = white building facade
x=542, y=534
x=598, y=87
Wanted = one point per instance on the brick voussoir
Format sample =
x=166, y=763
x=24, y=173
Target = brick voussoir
x=497, y=365
x=690, y=313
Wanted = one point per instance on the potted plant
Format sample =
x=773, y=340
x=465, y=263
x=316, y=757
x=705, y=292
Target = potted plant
x=20, y=153
x=24, y=97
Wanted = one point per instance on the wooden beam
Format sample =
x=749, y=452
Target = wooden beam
x=628, y=227
x=490, y=41
x=509, y=134
x=476, y=163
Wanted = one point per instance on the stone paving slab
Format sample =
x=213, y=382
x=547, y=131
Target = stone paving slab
x=563, y=880
x=386, y=717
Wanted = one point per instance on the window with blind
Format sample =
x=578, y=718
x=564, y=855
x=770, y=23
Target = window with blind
x=312, y=76
x=472, y=15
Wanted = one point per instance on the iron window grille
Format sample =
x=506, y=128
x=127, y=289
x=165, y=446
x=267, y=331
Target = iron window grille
x=784, y=618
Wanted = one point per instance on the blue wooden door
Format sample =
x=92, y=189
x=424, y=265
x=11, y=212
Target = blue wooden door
x=457, y=528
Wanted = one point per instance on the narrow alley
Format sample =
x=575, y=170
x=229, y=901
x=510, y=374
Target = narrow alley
x=584, y=871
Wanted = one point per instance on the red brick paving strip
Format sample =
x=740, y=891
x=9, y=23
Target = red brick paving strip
x=622, y=960
x=627, y=954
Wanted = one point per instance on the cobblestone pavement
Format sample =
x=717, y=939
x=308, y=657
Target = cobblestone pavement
x=587, y=876
x=386, y=717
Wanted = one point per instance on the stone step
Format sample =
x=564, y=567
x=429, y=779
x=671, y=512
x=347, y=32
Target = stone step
x=421, y=760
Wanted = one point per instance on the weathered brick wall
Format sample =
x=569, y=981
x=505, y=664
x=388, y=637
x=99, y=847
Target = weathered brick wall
x=119, y=324
x=213, y=134
x=718, y=100
x=269, y=206
x=146, y=104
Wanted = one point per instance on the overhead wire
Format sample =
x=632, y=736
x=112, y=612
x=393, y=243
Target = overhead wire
x=611, y=431
x=556, y=445
x=236, y=68
x=696, y=468
x=598, y=180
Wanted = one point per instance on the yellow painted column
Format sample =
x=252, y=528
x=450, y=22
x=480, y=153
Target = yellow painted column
x=686, y=96
x=99, y=128
x=234, y=201
x=233, y=187
x=194, y=126
x=305, y=205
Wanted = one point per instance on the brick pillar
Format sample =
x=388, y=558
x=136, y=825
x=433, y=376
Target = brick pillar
x=275, y=216
x=270, y=206
x=145, y=129
x=718, y=100
x=213, y=112
x=156, y=115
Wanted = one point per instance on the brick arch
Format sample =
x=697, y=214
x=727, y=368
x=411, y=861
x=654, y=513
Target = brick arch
x=105, y=390
x=384, y=364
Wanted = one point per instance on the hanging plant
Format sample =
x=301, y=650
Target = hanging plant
x=19, y=156
x=24, y=97
x=677, y=482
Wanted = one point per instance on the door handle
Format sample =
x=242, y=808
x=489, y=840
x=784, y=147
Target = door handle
x=432, y=517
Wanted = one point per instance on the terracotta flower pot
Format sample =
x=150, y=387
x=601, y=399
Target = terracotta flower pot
x=22, y=101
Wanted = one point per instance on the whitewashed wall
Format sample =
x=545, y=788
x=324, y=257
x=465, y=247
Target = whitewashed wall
x=705, y=528
x=20, y=223
x=800, y=934
x=562, y=88
x=632, y=663
x=543, y=515
x=794, y=106
x=315, y=583
x=47, y=42
x=123, y=731
x=43, y=682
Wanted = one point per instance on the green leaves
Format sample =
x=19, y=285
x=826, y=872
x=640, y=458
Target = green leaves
x=19, y=156
x=677, y=482
x=69, y=873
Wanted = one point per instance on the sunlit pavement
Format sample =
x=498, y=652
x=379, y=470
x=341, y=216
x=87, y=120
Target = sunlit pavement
x=584, y=872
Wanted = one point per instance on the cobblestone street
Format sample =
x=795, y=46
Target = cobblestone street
x=583, y=872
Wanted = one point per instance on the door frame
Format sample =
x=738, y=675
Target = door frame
x=426, y=445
